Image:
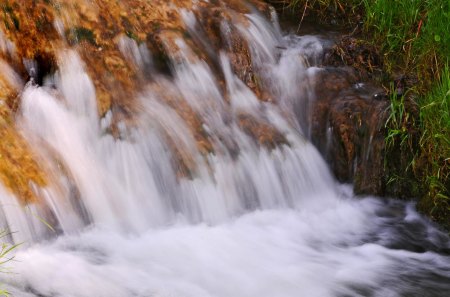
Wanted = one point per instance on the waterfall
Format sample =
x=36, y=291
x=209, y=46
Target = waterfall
x=129, y=183
x=147, y=210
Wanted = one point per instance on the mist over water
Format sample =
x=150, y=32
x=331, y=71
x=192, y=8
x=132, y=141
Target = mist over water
x=247, y=220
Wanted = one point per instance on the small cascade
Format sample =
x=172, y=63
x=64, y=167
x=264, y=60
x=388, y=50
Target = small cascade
x=130, y=183
x=204, y=181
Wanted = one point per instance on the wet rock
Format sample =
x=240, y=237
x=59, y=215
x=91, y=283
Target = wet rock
x=19, y=169
x=263, y=133
x=348, y=127
x=218, y=32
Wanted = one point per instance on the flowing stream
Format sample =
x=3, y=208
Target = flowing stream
x=247, y=220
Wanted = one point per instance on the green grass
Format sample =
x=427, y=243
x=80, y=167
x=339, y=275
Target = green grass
x=435, y=147
x=397, y=121
x=6, y=256
x=400, y=156
x=413, y=34
x=415, y=38
x=395, y=23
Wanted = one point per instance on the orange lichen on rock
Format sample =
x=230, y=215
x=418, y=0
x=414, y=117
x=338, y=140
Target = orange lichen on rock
x=95, y=26
x=263, y=133
x=18, y=166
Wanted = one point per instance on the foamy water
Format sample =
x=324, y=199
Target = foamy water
x=347, y=248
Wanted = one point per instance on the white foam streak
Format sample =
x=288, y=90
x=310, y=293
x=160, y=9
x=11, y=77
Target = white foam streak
x=241, y=97
x=138, y=55
x=264, y=39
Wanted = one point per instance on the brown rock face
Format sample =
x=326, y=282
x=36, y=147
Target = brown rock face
x=263, y=133
x=348, y=128
x=18, y=167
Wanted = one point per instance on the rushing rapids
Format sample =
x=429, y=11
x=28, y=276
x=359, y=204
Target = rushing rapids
x=205, y=183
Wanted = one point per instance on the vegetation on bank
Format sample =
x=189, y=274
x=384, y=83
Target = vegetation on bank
x=412, y=34
x=6, y=250
x=435, y=148
x=414, y=39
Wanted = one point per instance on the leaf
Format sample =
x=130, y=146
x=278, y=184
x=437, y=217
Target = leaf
x=437, y=38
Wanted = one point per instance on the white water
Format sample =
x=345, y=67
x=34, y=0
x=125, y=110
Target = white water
x=249, y=222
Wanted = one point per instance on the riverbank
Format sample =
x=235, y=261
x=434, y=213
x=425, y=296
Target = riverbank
x=412, y=40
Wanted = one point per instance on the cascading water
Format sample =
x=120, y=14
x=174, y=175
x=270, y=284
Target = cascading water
x=245, y=220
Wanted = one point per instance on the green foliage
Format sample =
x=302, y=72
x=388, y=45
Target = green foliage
x=395, y=23
x=397, y=120
x=412, y=33
x=400, y=151
x=435, y=141
x=6, y=250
